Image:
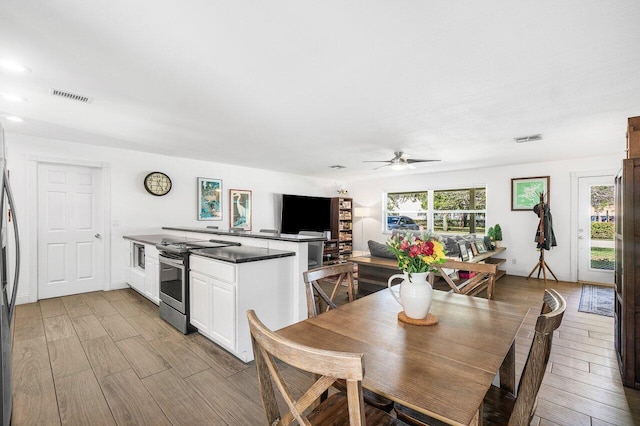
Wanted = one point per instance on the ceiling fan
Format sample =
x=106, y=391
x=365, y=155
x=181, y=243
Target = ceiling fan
x=401, y=161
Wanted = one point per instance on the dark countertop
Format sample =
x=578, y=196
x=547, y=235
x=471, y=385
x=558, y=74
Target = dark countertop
x=263, y=235
x=154, y=238
x=171, y=239
x=243, y=254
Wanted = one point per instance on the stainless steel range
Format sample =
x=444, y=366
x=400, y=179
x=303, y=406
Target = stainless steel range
x=174, y=280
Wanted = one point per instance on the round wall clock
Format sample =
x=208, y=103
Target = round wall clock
x=157, y=183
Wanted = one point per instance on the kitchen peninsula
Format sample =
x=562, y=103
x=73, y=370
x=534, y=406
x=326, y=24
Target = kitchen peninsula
x=240, y=271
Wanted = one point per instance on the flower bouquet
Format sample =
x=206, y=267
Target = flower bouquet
x=417, y=254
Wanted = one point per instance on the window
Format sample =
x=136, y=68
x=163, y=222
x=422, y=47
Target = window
x=446, y=211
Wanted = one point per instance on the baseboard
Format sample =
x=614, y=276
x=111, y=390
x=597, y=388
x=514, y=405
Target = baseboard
x=117, y=285
x=22, y=299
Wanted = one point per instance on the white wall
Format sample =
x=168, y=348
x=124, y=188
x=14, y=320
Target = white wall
x=518, y=227
x=133, y=209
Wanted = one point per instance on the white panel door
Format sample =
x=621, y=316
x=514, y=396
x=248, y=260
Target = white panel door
x=70, y=249
x=595, y=229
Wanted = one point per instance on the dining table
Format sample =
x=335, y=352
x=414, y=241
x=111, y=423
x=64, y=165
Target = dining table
x=442, y=370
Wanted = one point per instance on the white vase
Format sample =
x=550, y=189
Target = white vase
x=415, y=293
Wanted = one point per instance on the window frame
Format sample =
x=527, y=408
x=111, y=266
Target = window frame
x=431, y=212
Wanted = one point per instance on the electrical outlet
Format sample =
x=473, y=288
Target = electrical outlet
x=115, y=223
x=513, y=261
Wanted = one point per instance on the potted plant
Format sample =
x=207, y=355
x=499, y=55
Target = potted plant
x=495, y=234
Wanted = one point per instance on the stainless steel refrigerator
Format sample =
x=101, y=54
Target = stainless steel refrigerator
x=10, y=272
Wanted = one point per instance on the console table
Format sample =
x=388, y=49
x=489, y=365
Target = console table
x=373, y=272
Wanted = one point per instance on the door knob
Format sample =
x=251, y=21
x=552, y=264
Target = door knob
x=98, y=236
x=580, y=237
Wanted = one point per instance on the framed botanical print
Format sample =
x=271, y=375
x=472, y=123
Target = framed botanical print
x=240, y=209
x=525, y=192
x=209, y=199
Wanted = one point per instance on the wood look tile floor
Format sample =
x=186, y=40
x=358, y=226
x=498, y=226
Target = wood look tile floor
x=107, y=358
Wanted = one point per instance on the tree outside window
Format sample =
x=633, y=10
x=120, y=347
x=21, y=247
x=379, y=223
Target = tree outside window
x=447, y=211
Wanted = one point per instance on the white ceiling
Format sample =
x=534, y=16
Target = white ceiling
x=297, y=86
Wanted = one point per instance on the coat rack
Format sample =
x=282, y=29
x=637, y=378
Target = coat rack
x=542, y=265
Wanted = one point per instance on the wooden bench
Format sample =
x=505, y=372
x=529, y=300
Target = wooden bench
x=374, y=272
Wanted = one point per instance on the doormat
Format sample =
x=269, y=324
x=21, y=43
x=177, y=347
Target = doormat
x=596, y=299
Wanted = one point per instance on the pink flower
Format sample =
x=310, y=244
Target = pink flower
x=414, y=251
x=404, y=245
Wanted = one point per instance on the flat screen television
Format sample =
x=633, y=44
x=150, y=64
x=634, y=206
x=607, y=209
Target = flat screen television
x=302, y=213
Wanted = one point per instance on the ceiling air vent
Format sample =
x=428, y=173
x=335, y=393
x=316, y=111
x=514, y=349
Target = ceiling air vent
x=69, y=95
x=531, y=138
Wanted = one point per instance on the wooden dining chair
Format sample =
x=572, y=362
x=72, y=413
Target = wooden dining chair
x=317, y=299
x=484, y=277
x=336, y=275
x=327, y=367
x=501, y=407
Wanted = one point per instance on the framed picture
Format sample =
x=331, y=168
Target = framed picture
x=240, y=209
x=481, y=247
x=474, y=248
x=209, y=199
x=464, y=251
x=525, y=192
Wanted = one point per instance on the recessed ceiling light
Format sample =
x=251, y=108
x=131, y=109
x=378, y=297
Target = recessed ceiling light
x=13, y=97
x=14, y=118
x=14, y=67
x=530, y=138
x=337, y=166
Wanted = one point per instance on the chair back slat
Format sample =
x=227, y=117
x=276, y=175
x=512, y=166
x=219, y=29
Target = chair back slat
x=337, y=275
x=549, y=320
x=484, y=278
x=326, y=366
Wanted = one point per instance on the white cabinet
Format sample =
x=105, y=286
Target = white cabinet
x=212, y=305
x=223, y=313
x=220, y=293
x=136, y=279
x=151, y=283
x=151, y=279
x=145, y=279
x=200, y=301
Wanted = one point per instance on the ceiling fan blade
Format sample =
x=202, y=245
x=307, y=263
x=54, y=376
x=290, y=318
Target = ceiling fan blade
x=375, y=161
x=379, y=167
x=409, y=160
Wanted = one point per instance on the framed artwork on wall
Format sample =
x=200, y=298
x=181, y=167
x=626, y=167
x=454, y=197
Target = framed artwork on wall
x=525, y=192
x=209, y=199
x=240, y=209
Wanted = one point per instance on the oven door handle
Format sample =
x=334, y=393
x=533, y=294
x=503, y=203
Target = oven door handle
x=171, y=261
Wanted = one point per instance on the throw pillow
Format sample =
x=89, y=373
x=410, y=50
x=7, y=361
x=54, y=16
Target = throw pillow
x=380, y=250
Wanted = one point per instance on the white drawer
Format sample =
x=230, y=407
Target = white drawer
x=220, y=270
